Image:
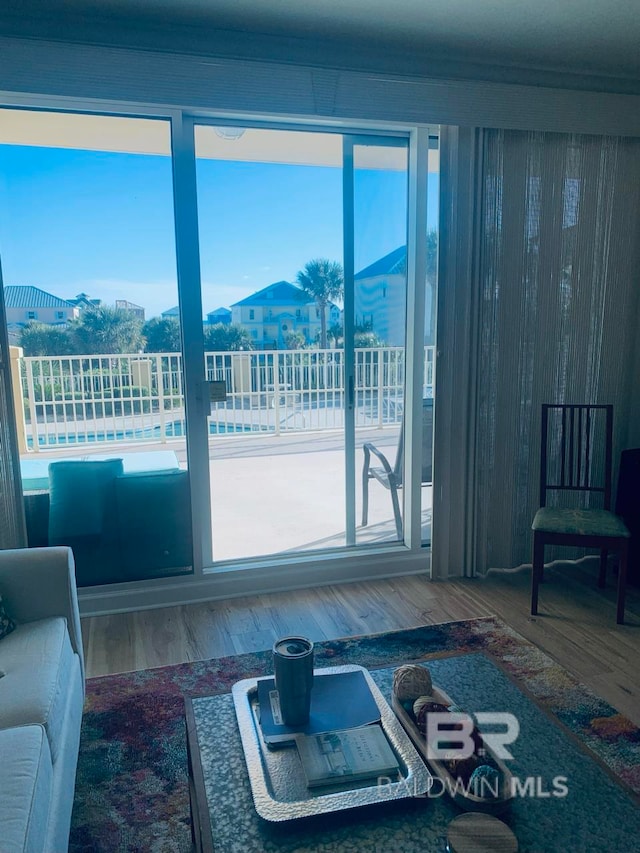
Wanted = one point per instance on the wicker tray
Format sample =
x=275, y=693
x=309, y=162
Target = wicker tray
x=461, y=795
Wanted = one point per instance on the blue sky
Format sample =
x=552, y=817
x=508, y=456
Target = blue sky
x=102, y=223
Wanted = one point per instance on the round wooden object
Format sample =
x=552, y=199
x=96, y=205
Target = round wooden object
x=480, y=833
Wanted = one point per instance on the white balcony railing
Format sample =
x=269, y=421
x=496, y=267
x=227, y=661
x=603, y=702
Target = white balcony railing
x=76, y=400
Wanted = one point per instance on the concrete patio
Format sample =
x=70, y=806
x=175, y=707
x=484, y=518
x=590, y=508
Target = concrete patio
x=281, y=494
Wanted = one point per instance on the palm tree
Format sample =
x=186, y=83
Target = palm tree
x=335, y=333
x=162, y=334
x=227, y=338
x=43, y=339
x=323, y=280
x=109, y=331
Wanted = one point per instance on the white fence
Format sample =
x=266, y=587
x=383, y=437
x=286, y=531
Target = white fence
x=76, y=400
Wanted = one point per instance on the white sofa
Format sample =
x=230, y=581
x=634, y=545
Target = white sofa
x=41, y=699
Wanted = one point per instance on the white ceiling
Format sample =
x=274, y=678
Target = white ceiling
x=596, y=37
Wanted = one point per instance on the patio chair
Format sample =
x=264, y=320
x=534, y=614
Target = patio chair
x=392, y=477
x=576, y=465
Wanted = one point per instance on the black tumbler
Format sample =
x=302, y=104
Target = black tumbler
x=293, y=668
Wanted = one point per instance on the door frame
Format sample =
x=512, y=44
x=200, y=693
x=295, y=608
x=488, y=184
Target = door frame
x=189, y=280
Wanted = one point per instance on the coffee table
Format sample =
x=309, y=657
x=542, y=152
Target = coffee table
x=596, y=813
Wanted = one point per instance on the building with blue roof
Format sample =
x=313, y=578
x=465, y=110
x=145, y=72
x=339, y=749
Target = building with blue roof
x=272, y=314
x=380, y=298
x=171, y=312
x=83, y=300
x=25, y=303
x=220, y=315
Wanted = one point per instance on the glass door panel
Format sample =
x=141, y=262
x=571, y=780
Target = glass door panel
x=87, y=239
x=303, y=241
x=270, y=223
x=433, y=198
x=380, y=176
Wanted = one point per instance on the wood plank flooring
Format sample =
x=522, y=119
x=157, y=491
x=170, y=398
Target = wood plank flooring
x=576, y=625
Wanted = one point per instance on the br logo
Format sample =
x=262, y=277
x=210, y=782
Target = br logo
x=452, y=734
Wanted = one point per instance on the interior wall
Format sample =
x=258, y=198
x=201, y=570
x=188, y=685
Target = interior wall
x=365, y=55
x=83, y=72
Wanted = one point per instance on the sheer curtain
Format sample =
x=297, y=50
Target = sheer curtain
x=558, y=283
x=12, y=523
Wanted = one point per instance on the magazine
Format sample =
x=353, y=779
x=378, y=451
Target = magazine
x=335, y=758
x=340, y=700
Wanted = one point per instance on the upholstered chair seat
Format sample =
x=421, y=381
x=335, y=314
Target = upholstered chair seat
x=579, y=522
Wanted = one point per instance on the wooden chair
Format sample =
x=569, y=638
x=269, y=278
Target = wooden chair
x=391, y=477
x=576, y=462
x=628, y=508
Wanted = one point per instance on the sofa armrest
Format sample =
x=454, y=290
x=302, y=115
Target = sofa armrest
x=39, y=582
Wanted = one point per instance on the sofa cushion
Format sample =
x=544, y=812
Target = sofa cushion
x=6, y=622
x=26, y=789
x=36, y=662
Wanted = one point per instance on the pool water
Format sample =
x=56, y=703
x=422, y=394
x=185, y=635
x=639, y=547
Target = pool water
x=176, y=429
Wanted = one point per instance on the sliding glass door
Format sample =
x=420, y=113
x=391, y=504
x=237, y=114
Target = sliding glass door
x=267, y=397
x=303, y=266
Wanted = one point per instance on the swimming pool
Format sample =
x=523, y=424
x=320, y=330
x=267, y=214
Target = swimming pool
x=175, y=429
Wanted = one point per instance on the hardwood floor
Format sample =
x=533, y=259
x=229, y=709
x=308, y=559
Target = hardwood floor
x=576, y=625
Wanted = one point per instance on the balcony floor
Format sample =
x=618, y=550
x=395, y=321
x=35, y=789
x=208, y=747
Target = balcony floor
x=279, y=494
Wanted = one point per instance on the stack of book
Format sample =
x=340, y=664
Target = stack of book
x=343, y=742
x=335, y=758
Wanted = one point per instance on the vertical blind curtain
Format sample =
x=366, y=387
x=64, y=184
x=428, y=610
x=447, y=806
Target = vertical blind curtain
x=12, y=522
x=559, y=278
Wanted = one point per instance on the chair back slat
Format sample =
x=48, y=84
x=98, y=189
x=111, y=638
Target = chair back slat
x=588, y=441
x=568, y=437
x=576, y=450
x=582, y=462
x=427, y=445
x=427, y=440
x=398, y=467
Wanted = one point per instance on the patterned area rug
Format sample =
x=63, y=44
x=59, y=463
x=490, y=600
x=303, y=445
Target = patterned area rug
x=131, y=789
